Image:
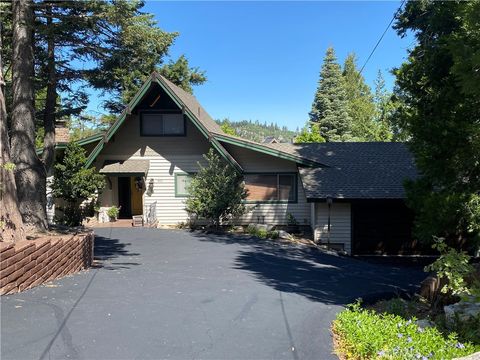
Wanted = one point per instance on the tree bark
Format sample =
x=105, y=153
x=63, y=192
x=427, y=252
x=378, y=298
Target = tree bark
x=11, y=224
x=48, y=154
x=30, y=175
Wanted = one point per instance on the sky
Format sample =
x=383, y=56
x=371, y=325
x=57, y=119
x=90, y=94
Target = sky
x=262, y=59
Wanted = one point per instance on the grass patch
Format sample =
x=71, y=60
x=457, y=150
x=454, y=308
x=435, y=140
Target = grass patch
x=364, y=334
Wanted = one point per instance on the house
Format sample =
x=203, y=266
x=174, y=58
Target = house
x=350, y=194
x=270, y=140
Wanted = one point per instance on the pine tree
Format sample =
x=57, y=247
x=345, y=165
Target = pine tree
x=330, y=105
x=361, y=108
x=29, y=172
x=440, y=89
x=384, y=109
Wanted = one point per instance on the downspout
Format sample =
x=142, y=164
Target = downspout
x=312, y=220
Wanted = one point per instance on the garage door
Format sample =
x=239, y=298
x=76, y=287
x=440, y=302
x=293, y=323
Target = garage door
x=383, y=227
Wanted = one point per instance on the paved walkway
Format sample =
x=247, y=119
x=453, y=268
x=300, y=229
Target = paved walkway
x=166, y=294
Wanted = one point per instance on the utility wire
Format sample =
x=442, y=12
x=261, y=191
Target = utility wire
x=381, y=37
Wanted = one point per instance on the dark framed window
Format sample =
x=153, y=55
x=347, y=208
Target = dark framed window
x=162, y=124
x=182, y=182
x=271, y=187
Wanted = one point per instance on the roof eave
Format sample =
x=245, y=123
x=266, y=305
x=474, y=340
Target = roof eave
x=266, y=150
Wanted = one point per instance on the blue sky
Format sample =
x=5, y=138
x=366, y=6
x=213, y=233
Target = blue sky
x=263, y=59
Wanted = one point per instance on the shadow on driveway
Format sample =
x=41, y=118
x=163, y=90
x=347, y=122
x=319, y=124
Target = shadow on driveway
x=107, y=249
x=318, y=276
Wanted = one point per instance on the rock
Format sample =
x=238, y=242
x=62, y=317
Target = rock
x=474, y=356
x=238, y=229
x=464, y=310
x=425, y=323
x=282, y=234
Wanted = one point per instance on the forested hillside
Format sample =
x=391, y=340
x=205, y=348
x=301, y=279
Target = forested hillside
x=257, y=131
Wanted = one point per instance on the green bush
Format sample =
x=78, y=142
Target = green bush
x=455, y=267
x=365, y=334
x=113, y=212
x=262, y=233
x=468, y=330
x=74, y=183
x=216, y=192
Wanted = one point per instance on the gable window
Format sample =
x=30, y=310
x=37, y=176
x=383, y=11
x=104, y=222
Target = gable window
x=162, y=124
x=182, y=182
x=271, y=187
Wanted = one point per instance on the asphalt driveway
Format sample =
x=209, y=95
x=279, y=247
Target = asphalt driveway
x=166, y=294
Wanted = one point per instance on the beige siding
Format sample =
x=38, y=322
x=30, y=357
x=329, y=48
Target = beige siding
x=167, y=156
x=127, y=142
x=340, y=224
x=171, y=155
x=253, y=161
x=277, y=213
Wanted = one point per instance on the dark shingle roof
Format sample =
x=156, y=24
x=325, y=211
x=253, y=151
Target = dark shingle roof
x=193, y=105
x=373, y=170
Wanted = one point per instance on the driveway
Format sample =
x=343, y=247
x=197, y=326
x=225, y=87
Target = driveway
x=166, y=294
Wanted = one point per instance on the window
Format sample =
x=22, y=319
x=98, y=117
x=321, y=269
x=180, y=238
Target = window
x=182, y=181
x=271, y=187
x=156, y=124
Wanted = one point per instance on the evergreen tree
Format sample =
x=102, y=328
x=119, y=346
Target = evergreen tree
x=46, y=55
x=439, y=86
x=361, y=108
x=30, y=173
x=309, y=135
x=74, y=183
x=217, y=192
x=330, y=104
x=385, y=107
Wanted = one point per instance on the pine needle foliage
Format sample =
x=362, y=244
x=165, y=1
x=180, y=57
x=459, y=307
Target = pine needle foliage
x=330, y=104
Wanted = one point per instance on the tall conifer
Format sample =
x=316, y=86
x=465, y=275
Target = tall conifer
x=330, y=105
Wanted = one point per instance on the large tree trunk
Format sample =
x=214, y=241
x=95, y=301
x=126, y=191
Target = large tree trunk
x=48, y=154
x=11, y=225
x=30, y=175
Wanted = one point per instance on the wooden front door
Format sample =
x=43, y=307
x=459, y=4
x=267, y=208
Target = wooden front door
x=136, y=196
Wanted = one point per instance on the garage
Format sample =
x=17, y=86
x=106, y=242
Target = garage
x=383, y=227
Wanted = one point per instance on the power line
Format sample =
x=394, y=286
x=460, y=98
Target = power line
x=381, y=37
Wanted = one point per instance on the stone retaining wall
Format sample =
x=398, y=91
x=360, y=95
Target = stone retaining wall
x=29, y=263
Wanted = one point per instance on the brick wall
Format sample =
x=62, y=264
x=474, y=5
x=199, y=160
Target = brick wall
x=29, y=263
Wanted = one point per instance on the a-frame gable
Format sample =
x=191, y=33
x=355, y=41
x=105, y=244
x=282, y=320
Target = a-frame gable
x=184, y=104
x=200, y=118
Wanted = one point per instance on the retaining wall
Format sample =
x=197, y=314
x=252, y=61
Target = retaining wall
x=29, y=263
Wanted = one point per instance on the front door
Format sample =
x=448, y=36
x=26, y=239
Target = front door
x=124, y=197
x=136, y=191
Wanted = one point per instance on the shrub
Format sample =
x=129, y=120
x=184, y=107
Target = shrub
x=291, y=220
x=262, y=233
x=364, y=334
x=74, y=183
x=217, y=192
x=113, y=212
x=455, y=267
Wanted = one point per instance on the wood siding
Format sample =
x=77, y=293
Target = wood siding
x=171, y=155
x=271, y=213
x=340, y=224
